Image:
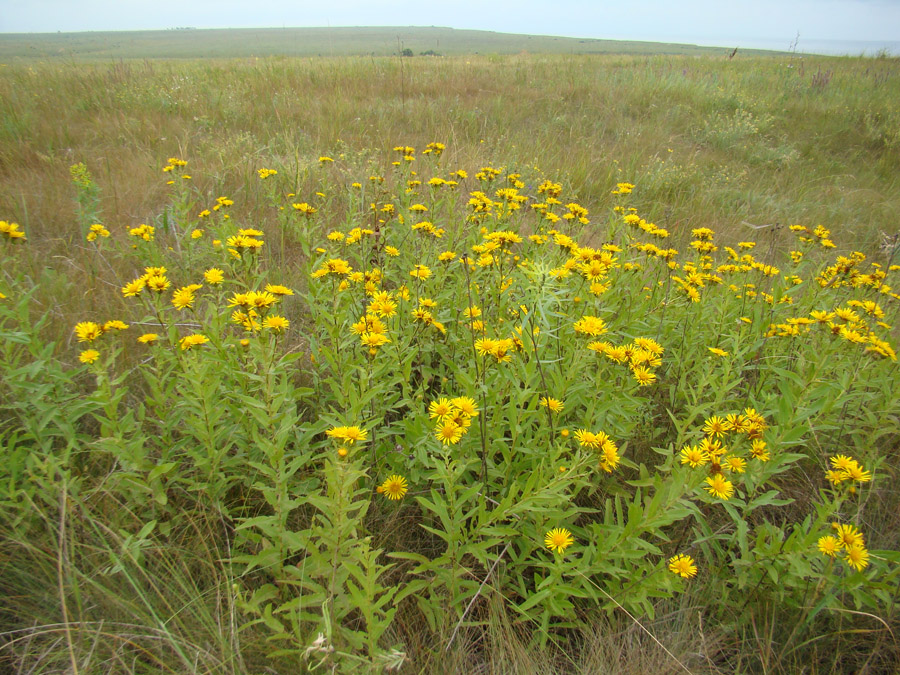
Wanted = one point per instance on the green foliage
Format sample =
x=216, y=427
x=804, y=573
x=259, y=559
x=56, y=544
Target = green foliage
x=476, y=398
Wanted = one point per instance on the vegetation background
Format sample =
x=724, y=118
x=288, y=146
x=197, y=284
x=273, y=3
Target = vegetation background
x=730, y=142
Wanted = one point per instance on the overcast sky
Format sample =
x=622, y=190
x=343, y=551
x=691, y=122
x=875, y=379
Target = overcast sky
x=718, y=21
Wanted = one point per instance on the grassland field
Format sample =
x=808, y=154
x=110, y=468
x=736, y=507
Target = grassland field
x=305, y=42
x=173, y=510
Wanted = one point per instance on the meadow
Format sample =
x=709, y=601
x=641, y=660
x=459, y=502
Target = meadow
x=304, y=42
x=493, y=363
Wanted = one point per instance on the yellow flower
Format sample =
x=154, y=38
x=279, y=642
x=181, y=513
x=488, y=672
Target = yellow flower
x=835, y=477
x=440, y=409
x=735, y=464
x=590, y=325
x=394, y=487
x=552, y=404
x=11, y=230
x=348, y=434
x=644, y=376
x=145, y=232
x=97, y=230
x=158, y=283
x=420, y=272
x=758, y=450
x=714, y=427
x=609, y=456
x=183, y=297
x=857, y=557
x=88, y=331
x=276, y=323
x=682, y=565
x=693, y=456
x=89, y=356
x=829, y=546
x=194, y=340
x=449, y=433
x=114, y=324
x=712, y=447
x=737, y=423
x=558, y=539
x=858, y=474
x=261, y=299
x=842, y=462
x=484, y=346
x=717, y=351
x=373, y=341
x=465, y=405
x=304, y=208
x=719, y=487
x=148, y=338
x=849, y=536
x=214, y=276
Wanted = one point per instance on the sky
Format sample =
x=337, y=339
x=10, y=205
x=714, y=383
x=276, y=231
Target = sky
x=718, y=22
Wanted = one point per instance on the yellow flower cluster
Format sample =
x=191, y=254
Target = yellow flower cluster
x=247, y=240
x=153, y=279
x=843, y=322
x=501, y=349
x=253, y=308
x=849, y=542
x=183, y=298
x=452, y=418
x=710, y=450
x=407, y=151
x=11, y=231
x=304, y=209
x=173, y=163
x=846, y=469
x=603, y=444
x=89, y=331
x=222, y=203
x=642, y=356
x=96, y=230
x=191, y=341
x=142, y=231
x=434, y=148
x=819, y=234
x=334, y=266
x=348, y=435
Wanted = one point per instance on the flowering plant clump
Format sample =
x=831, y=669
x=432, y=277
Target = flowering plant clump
x=389, y=427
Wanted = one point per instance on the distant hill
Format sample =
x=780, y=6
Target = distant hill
x=187, y=43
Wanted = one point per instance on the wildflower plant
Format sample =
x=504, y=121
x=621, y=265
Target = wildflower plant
x=472, y=395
